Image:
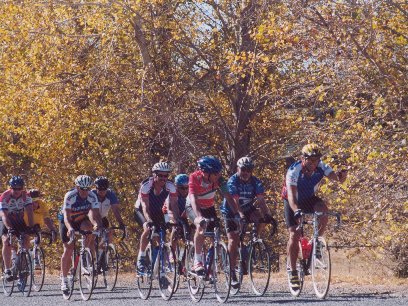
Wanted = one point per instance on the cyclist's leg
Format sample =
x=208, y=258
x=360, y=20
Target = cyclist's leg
x=232, y=230
x=320, y=206
x=67, y=253
x=198, y=239
x=294, y=235
x=6, y=249
x=86, y=225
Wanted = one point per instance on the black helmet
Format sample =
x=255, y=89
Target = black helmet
x=102, y=182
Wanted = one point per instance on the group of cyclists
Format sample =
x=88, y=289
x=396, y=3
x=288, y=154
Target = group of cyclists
x=190, y=198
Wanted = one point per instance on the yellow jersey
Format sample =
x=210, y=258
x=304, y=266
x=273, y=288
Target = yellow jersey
x=39, y=214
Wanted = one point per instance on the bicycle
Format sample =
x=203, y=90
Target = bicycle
x=38, y=261
x=314, y=256
x=85, y=260
x=107, y=262
x=158, y=264
x=217, y=269
x=253, y=259
x=21, y=267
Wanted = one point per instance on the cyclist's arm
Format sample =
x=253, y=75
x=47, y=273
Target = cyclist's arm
x=30, y=215
x=95, y=217
x=293, y=203
x=116, y=213
x=337, y=177
x=67, y=220
x=48, y=222
x=261, y=203
x=4, y=218
x=193, y=201
x=173, y=206
x=145, y=207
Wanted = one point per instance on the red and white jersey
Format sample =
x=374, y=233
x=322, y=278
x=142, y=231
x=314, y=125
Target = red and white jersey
x=205, y=192
x=13, y=205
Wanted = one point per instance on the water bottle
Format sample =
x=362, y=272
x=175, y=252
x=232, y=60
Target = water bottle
x=306, y=247
x=209, y=257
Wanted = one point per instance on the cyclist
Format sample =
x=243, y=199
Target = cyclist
x=298, y=194
x=41, y=213
x=12, y=203
x=203, y=185
x=246, y=190
x=79, y=211
x=149, y=205
x=181, y=182
x=108, y=200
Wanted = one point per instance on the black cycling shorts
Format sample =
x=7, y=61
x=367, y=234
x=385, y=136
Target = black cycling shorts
x=63, y=230
x=306, y=206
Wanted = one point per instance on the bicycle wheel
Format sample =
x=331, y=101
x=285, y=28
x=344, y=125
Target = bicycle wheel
x=110, y=267
x=144, y=280
x=86, y=274
x=24, y=273
x=239, y=272
x=38, y=260
x=222, y=274
x=166, y=272
x=72, y=277
x=301, y=274
x=195, y=283
x=259, y=267
x=8, y=285
x=321, y=268
x=179, y=266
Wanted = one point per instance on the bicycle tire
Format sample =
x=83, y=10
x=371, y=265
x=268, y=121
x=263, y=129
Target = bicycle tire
x=110, y=267
x=86, y=274
x=259, y=267
x=239, y=271
x=195, y=283
x=8, y=286
x=321, y=269
x=24, y=274
x=38, y=261
x=301, y=274
x=167, y=271
x=222, y=273
x=72, y=275
x=144, y=280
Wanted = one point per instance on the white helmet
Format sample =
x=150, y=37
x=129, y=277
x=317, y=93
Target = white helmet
x=245, y=162
x=83, y=181
x=162, y=167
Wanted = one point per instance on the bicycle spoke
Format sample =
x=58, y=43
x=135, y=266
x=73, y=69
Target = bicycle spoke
x=321, y=268
x=38, y=262
x=222, y=275
x=86, y=274
x=259, y=268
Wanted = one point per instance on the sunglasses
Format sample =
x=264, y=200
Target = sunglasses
x=17, y=188
x=84, y=188
x=183, y=187
x=313, y=158
x=162, y=175
x=102, y=189
x=246, y=169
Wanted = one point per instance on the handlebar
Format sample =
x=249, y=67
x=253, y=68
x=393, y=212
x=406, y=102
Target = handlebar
x=318, y=214
x=83, y=233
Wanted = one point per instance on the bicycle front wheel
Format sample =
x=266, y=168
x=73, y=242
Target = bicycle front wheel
x=72, y=278
x=195, y=283
x=167, y=272
x=222, y=275
x=321, y=268
x=24, y=274
x=259, y=267
x=300, y=264
x=38, y=261
x=86, y=274
x=110, y=267
x=8, y=281
x=144, y=279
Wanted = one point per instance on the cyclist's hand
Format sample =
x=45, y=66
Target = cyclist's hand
x=36, y=229
x=342, y=175
x=71, y=233
x=201, y=222
x=298, y=214
x=268, y=218
x=148, y=224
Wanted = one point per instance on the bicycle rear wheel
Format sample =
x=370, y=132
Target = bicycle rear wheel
x=166, y=272
x=8, y=285
x=259, y=267
x=195, y=283
x=86, y=274
x=222, y=273
x=144, y=280
x=110, y=267
x=24, y=273
x=321, y=268
x=38, y=261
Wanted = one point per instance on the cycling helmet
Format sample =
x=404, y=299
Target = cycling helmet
x=245, y=162
x=83, y=181
x=209, y=164
x=102, y=182
x=16, y=181
x=311, y=150
x=181, y=179
x=34, y=193
x=161, y=167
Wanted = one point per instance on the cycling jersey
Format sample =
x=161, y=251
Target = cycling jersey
x=156, y=201
x=205, y=192
x=110, y=199
x=246, y=192
x=306, y=185
x=39, y=214
x=12, y=205
x=79, y=207
x=181, y=203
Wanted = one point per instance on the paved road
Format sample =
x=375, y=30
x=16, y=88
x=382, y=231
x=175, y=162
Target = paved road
x=126, y=294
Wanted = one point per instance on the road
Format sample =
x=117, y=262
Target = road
x=126, y=294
